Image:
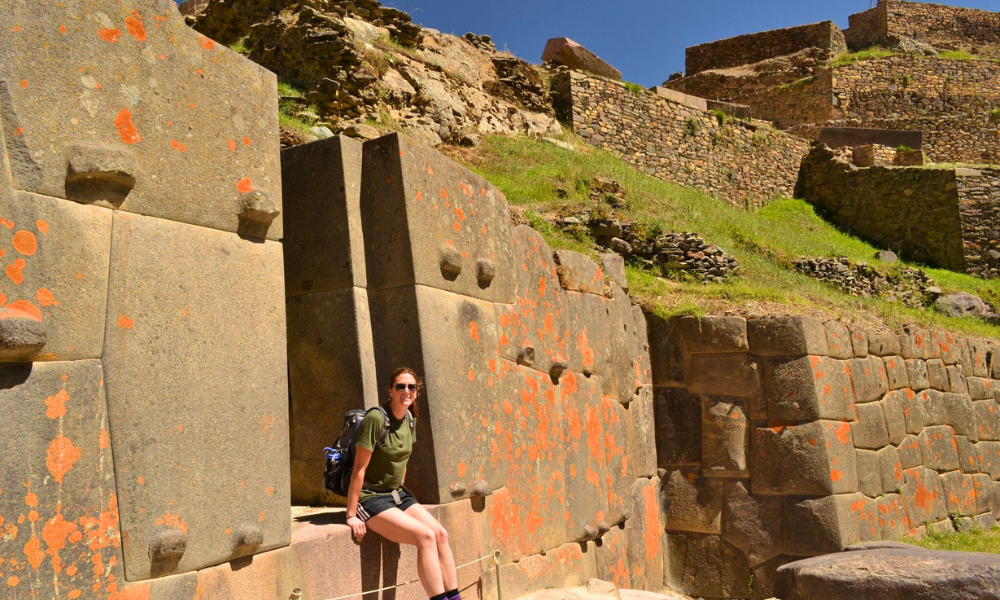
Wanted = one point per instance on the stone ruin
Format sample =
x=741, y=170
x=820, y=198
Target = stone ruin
x=789, y=76
x=788, y=437
x=187, y=313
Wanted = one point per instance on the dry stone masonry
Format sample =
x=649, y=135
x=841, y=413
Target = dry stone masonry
x=941, y=217
x=788, y=437
x=745, y=164
x=912, y=287
x=797, y=87
x=754, y=47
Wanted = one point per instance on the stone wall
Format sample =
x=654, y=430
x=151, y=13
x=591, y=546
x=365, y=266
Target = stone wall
x=754, y=47
x=788, y=437
x=742, y=163
x=537, y=404
x=944, y=27
x=941, y=217
x=951, y=101
x=142, y=334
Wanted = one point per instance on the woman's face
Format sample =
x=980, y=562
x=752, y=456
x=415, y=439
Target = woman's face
x=404, y=390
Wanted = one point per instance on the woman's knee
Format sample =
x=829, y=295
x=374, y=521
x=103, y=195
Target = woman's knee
x=441, y=534
x=426, y=537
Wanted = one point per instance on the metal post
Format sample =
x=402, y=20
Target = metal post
x=295, y=595
x=496, y=563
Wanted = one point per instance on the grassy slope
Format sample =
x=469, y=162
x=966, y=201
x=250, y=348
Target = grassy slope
x=534, y=174
x=974, y=541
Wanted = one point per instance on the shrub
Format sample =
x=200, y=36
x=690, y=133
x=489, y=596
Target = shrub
x=635, y=88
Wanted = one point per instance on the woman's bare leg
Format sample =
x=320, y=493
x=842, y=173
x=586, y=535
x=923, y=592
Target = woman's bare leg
x=397, y=526
x=448, y=574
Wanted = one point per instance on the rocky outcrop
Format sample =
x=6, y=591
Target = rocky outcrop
x=360, y=62
x=566, y=52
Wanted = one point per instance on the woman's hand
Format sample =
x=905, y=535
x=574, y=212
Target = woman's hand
x=358, y=528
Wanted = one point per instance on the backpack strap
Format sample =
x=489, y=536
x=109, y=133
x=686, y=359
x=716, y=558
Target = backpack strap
x=385, y=427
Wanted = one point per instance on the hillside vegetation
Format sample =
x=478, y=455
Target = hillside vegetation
x=546, y=181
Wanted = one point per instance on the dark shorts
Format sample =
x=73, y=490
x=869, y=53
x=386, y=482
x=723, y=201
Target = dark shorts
x=370, y=507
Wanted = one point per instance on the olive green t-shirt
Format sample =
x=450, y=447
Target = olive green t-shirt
x=388, y=462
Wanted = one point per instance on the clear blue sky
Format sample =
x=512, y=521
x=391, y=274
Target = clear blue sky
x=645, y=39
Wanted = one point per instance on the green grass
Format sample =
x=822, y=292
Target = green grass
x=871, y=53
x=995, y=114
x=804, y=81
x=550, y=180
x=289, y=90
x=971, y=541
x=240, y=46
x=635, y=88
x=957, y=55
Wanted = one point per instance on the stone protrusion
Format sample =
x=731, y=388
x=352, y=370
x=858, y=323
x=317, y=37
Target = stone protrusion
x=787, y=336
x=166, y=550
x=486, y=270
x=101, y=174
x=257, y=210
x=482, y=488
x=247, y=538
x=450, y=261
x=22, y=335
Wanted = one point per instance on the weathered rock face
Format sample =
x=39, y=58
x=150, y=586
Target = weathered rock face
x=363, y=61
x=891, y=573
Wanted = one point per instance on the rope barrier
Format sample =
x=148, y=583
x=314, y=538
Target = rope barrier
x=495, y=555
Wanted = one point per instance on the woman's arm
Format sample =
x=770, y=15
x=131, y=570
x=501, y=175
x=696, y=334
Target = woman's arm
x=361, y=458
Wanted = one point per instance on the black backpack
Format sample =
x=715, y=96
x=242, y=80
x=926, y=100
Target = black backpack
x=340, y=458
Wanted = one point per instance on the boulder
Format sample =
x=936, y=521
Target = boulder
x=891, y=573
x=962, y=304
x=565, y=51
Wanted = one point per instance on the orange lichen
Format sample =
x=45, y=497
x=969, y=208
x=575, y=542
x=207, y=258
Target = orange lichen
x=15, y=271
x=45, y=297
x=56, y=404
x=125, y=323
x=110, y=35
x=126, y=128
x=207, y=43
x=244, y=185
x=60, y=457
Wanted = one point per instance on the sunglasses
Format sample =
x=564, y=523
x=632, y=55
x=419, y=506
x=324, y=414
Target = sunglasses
x=400, y=387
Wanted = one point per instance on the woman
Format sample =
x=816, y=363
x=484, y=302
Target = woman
x=378, y=501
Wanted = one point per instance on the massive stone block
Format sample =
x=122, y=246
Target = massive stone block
x=987, y=419
x=532, y=328
x=678, y=427
x=323, y=242
x=959, y=494
x=809, y=388
x=989, y=458
x=641, y=424
x=612, y=558
x=691, y=502
x=892, y=516
x=451, y=340
x=588, y=346
x=331, y=370
x=56, y=256
x=565, y=51
x=569, y=565
x=199, y=430
x=753, y=523
x=895, y=418
x=869, y=473
x=838, y=338
x=429, y=221
x=578, y=273
x=616, y=459
x=643, y=532
x=870, y=431
x=916, y=374
x=890, y=468
x=59, y=504
x=706, y=565
x=729, y=375
x=529, y=515
x=120, y=107
x=725, y=436
x=830, y=524
x=939, y=448
x=667, y=351
x=895, y=370
x=923, y=497
x=787, y=336
x=581, y=437
x=815, y=458
x=629, y=369
x=869, y=378
x=714, y=335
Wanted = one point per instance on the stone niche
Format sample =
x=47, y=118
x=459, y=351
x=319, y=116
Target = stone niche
x=786, y=437
x=142, y=329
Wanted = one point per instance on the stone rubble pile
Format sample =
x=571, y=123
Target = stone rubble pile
x=912, y=287
x=363, y=63
x=664, y=253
